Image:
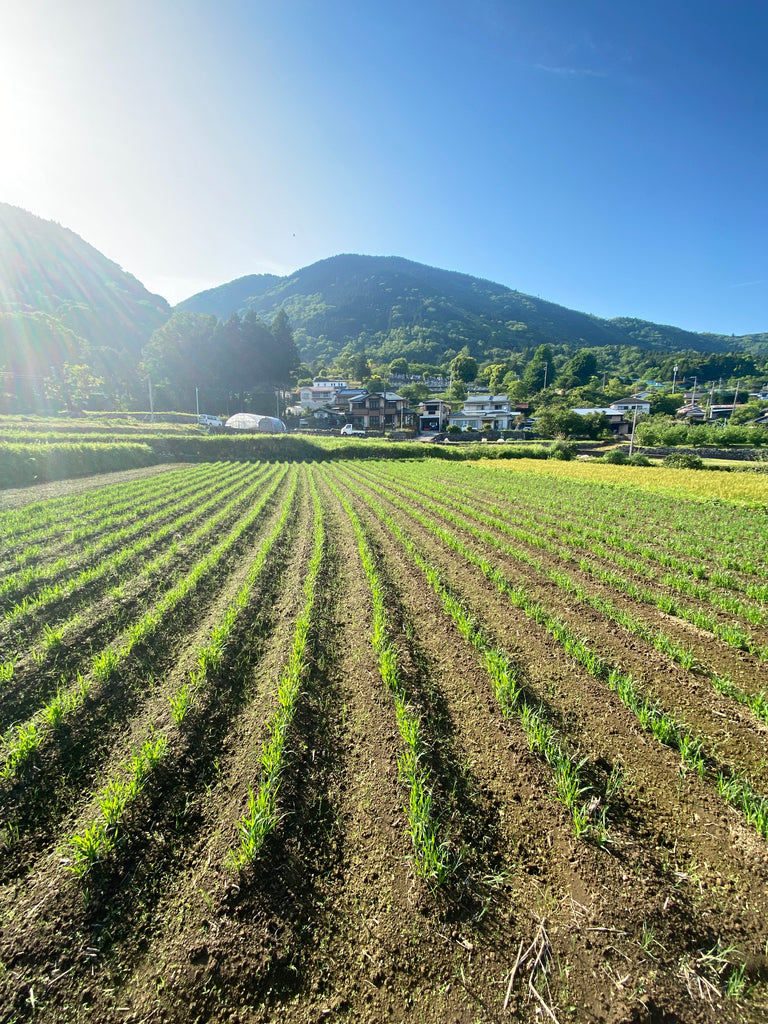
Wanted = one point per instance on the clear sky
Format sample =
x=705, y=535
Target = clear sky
x=608, y=155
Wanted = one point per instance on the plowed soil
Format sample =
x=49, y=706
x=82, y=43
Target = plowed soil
x=665, y=920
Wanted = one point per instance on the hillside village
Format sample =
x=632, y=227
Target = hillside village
x=333, y=404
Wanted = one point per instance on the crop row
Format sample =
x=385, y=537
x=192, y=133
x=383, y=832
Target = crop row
x=127, y=572
x=46, y=521
x=263, y=813
x=515, y=700
x=729, y=780
x=114, y=532
x=730, y=633
x=100, y=837
x=28, y=736
x=649, y=528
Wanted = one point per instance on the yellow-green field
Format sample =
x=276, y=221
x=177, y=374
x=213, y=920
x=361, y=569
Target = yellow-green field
x=750, y=489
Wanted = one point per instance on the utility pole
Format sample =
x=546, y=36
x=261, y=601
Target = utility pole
x=546, y=370
x=151, y=403
x=674, y=379
x=197, y=401
x=632, y=438
x=735, y=396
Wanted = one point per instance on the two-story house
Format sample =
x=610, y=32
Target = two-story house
x=314, y=396
x=344, y=399
x=379, y=410
x=630, y=404
x=480, y=411
x=619, y=426
x=433, y=416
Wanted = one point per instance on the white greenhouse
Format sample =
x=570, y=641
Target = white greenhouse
x=259, y=424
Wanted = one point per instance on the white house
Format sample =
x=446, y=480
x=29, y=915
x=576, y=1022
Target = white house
x=630, y=404
x=479, y=411
x=433, y=415
x=317, y=395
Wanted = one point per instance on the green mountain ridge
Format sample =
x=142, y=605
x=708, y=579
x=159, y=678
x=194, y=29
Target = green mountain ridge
x=392, y=307
x=76, y=328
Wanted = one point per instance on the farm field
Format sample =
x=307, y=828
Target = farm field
x=385, y=740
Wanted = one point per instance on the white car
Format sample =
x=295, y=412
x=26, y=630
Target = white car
x=210, y=421
x=349, y=431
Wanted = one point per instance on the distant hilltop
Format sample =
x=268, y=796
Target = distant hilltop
x=394, y=307
x=63, y=302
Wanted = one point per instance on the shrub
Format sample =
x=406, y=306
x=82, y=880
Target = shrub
x=453, y=429
x=616, y=457
x=639, y=460
x=683, y=460
x=563, y=450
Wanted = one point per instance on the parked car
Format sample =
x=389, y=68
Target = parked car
x=210, y=421
x=349, y=431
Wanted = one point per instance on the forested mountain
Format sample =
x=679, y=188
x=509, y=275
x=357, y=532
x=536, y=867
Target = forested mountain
x=394, y=307
x=63, y=302
x=77, y=331
x=235, y=297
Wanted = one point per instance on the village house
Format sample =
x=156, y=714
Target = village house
x=480, y=411
x=630, y=404
x=379, y=410
x=433, y=416
x=344, y=399
x=616, y=421
x=315, y=397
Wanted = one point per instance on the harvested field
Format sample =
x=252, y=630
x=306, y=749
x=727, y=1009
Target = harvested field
x=374, y=741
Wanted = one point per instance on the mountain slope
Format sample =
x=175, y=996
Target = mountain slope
x=393, y=306
x=227, y=299
x=49, y=274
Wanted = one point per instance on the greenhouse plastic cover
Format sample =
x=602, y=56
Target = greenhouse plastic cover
x=250, y=421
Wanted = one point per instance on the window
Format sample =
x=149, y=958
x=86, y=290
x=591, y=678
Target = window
x=374, y=421
x=373, y=403
x=390, y=405
x=388, y=417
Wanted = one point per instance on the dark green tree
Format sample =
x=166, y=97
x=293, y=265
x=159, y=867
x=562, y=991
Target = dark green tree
x=180, y=356
x=464, y=368
x=540, y=370
x=361, y=369
x=582, y=366
x=285, y=356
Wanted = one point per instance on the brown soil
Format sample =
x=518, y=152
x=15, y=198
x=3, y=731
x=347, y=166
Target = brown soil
x=333, y=922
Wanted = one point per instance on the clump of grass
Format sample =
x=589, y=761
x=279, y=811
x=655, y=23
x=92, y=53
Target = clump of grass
x=99, y=838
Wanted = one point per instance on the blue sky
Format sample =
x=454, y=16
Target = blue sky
x=611, y=157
